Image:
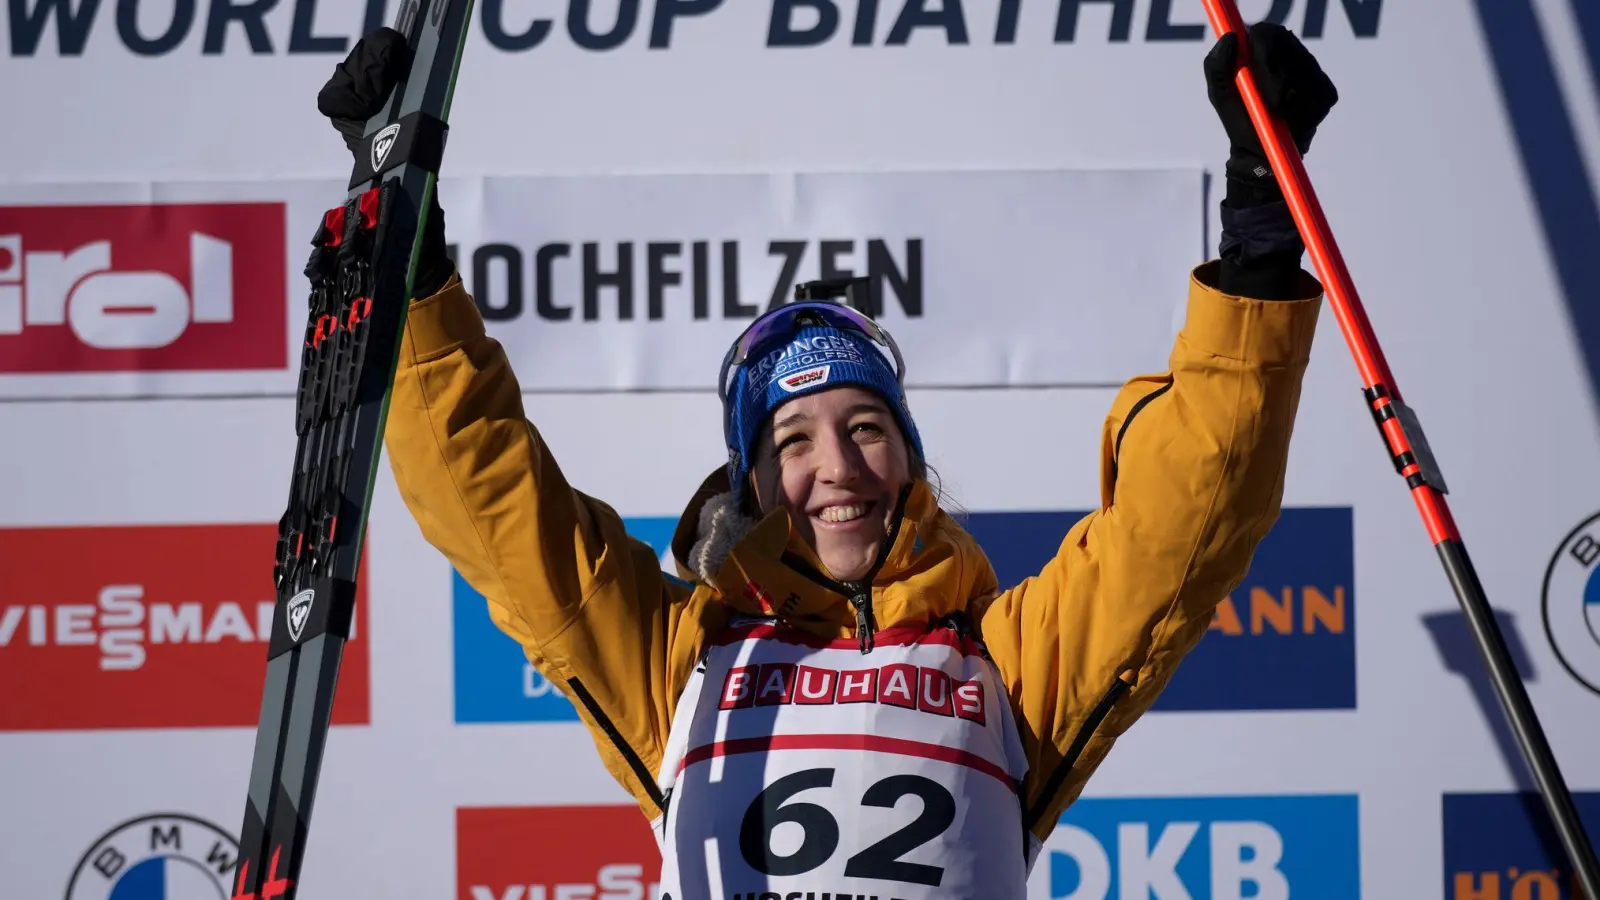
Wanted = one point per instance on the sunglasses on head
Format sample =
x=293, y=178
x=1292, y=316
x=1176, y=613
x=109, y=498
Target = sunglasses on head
x=815, y=303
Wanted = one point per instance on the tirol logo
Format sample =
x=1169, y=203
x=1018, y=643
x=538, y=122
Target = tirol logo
x=550, y=853
x=494, y=682
x=299, y=612
x=165, y=855
x=1503, y=846
x=1293, y=616
x=1571, y=603
x=156, y=287
x=159, y=626
x=382, y=143
x=1203, y=848
x=799, y=381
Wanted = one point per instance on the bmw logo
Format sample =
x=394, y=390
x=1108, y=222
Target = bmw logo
x=1571, y=603
x=166, y=856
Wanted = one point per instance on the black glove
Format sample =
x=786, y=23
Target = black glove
x=1294, y=89
x=1261, y=247
x=353, y=95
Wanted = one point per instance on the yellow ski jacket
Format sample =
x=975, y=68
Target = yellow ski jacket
x=1191, y=478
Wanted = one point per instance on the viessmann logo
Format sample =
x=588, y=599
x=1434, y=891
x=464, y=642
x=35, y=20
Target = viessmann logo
x=147, y=287
x=146, y=627
x=551, y=853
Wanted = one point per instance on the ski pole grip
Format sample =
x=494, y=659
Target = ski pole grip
x=1397, y=424
x=1290, y=172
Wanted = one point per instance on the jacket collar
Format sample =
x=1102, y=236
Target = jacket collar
x=932, y=567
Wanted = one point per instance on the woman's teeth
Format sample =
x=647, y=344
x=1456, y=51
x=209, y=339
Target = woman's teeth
x=842, y=513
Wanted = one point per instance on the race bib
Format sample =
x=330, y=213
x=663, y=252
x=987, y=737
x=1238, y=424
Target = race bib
x=803, y=768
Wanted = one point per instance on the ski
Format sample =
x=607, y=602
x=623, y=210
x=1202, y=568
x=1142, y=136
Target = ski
x=361, y=270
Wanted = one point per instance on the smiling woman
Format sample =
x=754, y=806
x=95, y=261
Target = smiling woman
x=816, y=424
x=836, y=462
x=837, y=643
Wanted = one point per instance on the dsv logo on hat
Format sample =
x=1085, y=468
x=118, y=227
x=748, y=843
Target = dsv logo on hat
x=1571, y=603
x=163, y=856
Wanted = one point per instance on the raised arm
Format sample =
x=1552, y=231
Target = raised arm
x=588, y=603
x=1192, y=465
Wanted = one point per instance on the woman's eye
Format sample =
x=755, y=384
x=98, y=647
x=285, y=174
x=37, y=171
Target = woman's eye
x=866, y=427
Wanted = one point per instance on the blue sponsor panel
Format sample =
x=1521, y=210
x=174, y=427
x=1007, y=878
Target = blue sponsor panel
x=1503, y=846
x=493, y=680
x=1283, y=640
x=1200, y=848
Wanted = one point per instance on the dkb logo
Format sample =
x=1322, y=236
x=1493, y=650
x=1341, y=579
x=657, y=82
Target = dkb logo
x=1202, y=848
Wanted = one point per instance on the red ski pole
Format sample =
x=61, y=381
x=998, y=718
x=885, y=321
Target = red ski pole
x=1402, y=435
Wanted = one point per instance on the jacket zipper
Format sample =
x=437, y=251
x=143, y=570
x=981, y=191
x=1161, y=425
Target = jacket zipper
x=865, y=626
x=859, y=592
x=1096, y=716
x=623, y=747
x=860, y=597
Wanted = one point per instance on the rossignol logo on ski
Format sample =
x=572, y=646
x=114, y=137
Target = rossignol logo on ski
x=299, y=612
x=382, y=143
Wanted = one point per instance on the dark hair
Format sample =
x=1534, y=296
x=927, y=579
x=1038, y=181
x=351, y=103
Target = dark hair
x=946, y=501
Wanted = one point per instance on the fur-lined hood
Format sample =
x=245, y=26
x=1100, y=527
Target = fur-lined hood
x=932, y=568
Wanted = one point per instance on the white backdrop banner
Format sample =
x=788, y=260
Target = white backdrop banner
x=984, y=278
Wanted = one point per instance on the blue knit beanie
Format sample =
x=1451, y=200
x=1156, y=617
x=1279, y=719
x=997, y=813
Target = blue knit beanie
x=815, y=358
